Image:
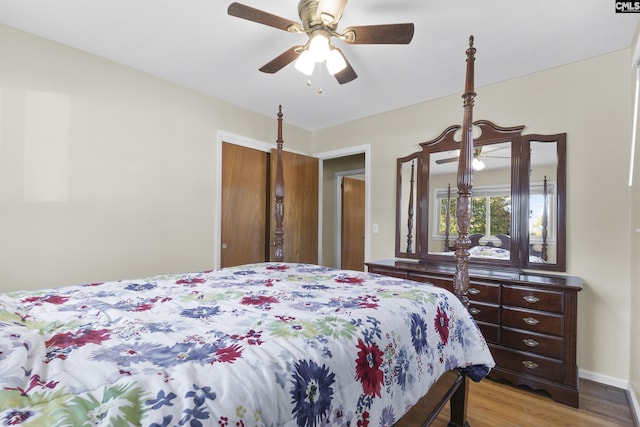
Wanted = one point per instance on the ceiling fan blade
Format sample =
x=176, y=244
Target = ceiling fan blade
x=282, y=60
x=447, y=160
x=256, y=15
x=346, y=75
x=379, y=34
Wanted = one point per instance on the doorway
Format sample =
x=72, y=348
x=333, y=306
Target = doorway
x=335, y=167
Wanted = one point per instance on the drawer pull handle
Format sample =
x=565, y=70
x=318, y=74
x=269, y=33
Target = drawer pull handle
x=474, y=311
x=529, y=364
x=530, y=321
x=531, y=299
x=530, y=343
x=474, y=291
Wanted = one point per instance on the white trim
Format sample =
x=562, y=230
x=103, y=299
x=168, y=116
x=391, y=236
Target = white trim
x=359, y=149
x=634, y=405
x=604, y=379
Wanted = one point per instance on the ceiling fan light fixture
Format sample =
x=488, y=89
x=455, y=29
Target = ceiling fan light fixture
x=477, y=164
x=319, y=46
x=305, y=63
x=335, y=62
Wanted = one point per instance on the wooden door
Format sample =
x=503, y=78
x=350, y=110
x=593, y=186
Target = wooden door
x=244, y=205
x=300, y=207
x=352, y=257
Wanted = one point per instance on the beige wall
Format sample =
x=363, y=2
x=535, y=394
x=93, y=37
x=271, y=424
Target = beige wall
x=127, y=185
x=130, y=188
x=589, y=100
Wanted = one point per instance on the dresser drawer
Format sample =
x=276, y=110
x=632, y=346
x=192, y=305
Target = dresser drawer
x=533, y=298
x=545, y=345
x=534, y=321
x=527, y=363
x=490, y=332
x=437, y=281
x=485, y=292
x=391, y=272
x=489, y=313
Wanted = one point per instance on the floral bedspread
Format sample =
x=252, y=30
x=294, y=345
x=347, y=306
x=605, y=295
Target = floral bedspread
x=271, y=344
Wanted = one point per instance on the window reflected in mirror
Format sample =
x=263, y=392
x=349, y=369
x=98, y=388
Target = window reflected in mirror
x=491, y=201
x=542, y=202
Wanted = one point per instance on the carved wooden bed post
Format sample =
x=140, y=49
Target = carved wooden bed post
x=279, y=190
x=410, y=212
x=465, y=183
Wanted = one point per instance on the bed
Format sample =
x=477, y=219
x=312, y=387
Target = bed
x=269, y=344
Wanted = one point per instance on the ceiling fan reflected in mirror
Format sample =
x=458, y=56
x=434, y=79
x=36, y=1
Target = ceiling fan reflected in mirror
x=478, y=155
x=319, y=20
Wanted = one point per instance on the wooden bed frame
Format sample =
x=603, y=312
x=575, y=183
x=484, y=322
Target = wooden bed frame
x=453, y=386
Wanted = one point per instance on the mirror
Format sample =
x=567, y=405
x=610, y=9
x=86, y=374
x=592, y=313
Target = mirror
x=546, y=183
x=407, y=203
x=518, y=199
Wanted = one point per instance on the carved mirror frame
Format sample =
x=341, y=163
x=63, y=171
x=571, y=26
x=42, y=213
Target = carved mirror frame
x=528, y=187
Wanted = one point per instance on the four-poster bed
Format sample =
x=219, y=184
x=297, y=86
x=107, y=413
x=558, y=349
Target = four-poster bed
x=269, y=344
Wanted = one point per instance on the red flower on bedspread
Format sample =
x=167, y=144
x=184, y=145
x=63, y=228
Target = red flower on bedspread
x=368, y=368
x=34, y=382
x=259, y=300
x=442, y=325
x=277, y=267
x=78, y=339
x=350, y=280
x=227, y=354
x=190, y=281
x=51, y=299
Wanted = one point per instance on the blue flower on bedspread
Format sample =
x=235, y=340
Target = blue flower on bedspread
x=419, y=333
x=311, y=392
x=199, y=395
x=388, y=418
x=201, y=312
x=140, y=287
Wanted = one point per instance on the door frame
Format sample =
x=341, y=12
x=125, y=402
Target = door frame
x=348, y=151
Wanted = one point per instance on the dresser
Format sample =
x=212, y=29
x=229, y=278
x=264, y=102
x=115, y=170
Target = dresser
x=528, y=320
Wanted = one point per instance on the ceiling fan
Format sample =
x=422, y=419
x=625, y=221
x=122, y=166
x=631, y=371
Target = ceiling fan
x=319, y=20
x=478, y=155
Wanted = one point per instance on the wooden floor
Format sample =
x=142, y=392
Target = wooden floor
x=494, y=404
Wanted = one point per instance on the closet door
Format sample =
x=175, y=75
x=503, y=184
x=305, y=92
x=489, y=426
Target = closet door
x=300, y=207
x=244, y=205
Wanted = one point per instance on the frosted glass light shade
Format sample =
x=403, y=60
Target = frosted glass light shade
x=335, y=62
x=305, y=63
x=319, y=47
x=477, y=164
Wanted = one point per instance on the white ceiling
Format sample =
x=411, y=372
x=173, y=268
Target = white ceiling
x=196, y=44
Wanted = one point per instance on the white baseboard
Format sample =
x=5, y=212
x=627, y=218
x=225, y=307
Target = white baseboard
x=604, y=379
x=634, y=405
